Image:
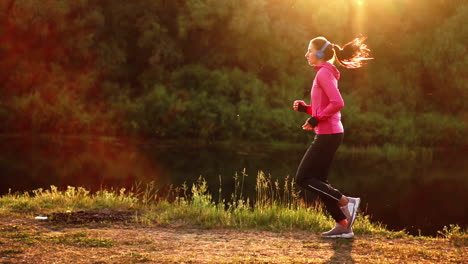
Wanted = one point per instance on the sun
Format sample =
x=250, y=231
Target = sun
x=359, y=14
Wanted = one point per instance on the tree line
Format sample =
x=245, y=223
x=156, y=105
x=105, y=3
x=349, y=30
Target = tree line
x=230, y=69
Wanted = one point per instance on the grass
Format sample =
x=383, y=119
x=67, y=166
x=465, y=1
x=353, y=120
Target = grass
x=81, y=239
x=276, y=207
x=454, y=234
x=50, y=200
x=30, y=237
x=19, y=235
x=189, y=225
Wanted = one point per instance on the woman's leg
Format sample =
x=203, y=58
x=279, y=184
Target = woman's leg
x=312, y=173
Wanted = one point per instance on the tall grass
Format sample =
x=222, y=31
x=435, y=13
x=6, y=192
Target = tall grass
x=72, y=198
x=276, y=206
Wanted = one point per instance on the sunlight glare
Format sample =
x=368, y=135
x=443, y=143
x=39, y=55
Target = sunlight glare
x=359, y=16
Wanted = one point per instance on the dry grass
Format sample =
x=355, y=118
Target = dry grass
x=31, y=241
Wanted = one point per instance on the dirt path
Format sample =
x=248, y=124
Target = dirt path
x=30, y=241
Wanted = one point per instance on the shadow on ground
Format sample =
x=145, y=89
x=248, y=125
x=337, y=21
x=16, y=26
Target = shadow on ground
x=341, y=251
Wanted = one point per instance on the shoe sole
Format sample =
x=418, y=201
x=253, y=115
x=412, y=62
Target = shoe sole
x=343, y=235
x=356, y=207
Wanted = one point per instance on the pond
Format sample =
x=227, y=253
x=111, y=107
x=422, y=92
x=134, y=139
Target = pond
x=420, y=196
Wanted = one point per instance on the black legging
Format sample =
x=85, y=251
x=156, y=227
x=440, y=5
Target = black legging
x=312, y=173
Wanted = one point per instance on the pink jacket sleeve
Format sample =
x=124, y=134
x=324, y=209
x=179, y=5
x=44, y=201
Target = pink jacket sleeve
x=329, y=84
x=309, y=109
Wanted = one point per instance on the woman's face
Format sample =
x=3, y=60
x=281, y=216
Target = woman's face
x=310, y=55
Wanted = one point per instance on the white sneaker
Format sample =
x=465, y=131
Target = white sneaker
x=339, y=231
x=353, y=206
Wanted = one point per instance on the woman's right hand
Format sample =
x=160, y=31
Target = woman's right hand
x=297, y=103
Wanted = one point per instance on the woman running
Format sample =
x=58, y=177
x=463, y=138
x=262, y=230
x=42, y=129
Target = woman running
x=325, y=120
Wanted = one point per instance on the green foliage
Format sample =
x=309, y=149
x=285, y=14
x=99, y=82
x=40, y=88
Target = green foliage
x=220, y=70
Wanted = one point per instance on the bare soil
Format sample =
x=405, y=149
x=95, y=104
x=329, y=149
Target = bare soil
x=81, y=217
x=26, y=240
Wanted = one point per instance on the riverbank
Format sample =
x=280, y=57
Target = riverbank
x=186, y=225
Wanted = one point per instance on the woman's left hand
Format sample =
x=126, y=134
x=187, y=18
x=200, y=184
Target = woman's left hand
x=307, y=126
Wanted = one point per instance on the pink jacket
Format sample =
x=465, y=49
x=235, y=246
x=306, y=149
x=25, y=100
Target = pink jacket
x=326, y=100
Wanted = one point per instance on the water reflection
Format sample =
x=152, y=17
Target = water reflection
x=416, y=195
x=30, y=163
